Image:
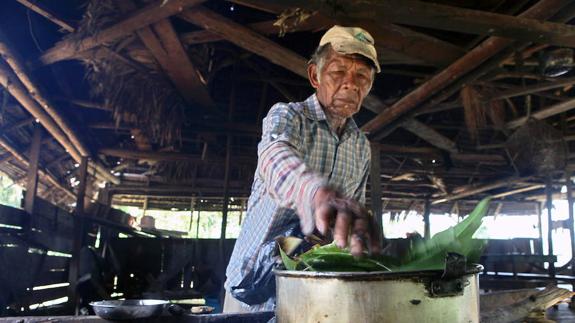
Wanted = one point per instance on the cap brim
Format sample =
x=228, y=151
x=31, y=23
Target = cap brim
x=353, y=48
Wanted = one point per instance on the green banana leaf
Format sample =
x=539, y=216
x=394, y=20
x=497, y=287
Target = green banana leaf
x=430, y=254
x=423, y=255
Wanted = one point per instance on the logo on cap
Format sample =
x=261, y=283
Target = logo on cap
x=361, y=37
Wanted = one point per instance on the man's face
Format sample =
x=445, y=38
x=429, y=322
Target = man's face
x=342, y=84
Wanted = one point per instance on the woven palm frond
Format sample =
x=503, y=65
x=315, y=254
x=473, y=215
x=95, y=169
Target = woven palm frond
x=537, y=148
x=125, y=76
x=473, y=107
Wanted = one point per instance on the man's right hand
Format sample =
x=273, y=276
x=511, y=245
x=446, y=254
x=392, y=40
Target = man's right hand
x=345, y=217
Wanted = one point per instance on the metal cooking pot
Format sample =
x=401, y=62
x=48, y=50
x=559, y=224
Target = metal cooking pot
x=383, y=297
x=129, y=309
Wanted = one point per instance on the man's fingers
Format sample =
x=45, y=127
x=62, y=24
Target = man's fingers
x=323, y=215
x=360, y=235
x=341, y=230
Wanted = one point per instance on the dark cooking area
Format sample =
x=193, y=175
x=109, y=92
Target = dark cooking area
x=287, y=161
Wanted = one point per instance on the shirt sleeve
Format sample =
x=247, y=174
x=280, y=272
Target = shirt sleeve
x=286, y=177
x=359, y=194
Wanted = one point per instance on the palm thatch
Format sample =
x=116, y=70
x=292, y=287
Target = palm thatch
x=474, y=110
x=126, y=77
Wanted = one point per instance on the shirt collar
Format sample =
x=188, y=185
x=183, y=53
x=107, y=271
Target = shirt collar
x=313, y=110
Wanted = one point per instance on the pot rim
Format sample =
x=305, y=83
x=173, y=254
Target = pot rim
x=471, y=270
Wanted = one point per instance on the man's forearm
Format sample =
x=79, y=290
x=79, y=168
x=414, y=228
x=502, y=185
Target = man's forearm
x=289, y=181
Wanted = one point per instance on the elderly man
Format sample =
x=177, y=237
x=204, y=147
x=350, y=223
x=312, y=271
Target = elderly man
x=313, y=165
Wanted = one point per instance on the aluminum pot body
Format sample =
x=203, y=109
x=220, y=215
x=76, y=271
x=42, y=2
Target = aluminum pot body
x=376, y=297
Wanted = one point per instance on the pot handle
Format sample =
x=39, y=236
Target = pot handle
x=451, y=282
x=455, y=266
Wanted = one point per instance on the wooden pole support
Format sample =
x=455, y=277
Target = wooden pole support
x=549, y=202
x=32, y=180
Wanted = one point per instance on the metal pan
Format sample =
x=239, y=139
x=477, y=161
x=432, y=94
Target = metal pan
x=129, y=309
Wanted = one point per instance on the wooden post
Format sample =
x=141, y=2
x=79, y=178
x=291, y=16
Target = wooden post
x=571, y=218
x=79, y=233
x=192, y=206
x=226, y=196
x=32, y=181
x=375, y=182
x=540, y=226
x=549, y=193
x=227, y=165
x=198, y=223
x=426, y=223
x=145, y=206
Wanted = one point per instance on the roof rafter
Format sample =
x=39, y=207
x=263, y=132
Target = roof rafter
x=389, y=38
x=161, y=39
x=444, y=17
x=156, y=11
x=47, y=14
x=253, y=42
x=541, y=10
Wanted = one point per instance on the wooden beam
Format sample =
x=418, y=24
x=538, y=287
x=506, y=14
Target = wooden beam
x=389, y=38
x=222, y=127
x=544, y=113
x=539, y=87
x=16, y=63
x=164, y=156
x=226, y=192
x=519, y=190
x=32, y=178
x=444, y=17
x=246, y=38
x=549, y=206
x=16, y=125
x=22, y=159
x=426, y=222
x=154, y=12
x=477, y=189
x=163, y=42
x=313, y=23
x=47, y=14
x=474, y=58
x=251, y=41
x=172, y=190
x=430, y=135
x=571, y=204
x=79, y=233
x=387, y=148
x=375, y=183
x=12, y=82
x=21, y=86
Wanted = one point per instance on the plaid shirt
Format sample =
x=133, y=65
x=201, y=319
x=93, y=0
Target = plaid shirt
x=298, y=153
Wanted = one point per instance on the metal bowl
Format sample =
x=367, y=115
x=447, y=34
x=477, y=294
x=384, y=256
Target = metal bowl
x=128, y=309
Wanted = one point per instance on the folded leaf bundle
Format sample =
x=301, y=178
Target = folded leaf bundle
x=422, y=255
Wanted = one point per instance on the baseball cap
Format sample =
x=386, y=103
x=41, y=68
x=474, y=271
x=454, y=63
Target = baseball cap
x=351, y=40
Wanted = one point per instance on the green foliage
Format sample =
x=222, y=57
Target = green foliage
x=423, y=255
x=10, y=192
x=184, y=221
x=430, y=254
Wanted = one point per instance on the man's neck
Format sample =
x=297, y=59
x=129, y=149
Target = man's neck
x=336, y=124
